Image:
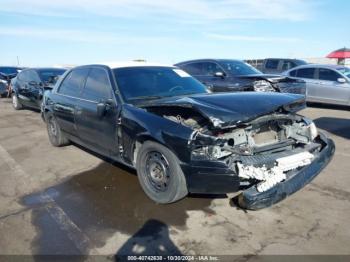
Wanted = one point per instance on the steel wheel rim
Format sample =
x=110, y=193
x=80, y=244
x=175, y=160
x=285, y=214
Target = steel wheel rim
x=157, y=171
x=52, y=127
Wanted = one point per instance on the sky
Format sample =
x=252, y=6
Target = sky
x=75, y=32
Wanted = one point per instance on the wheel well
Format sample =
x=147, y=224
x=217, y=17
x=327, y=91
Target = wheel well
x=137, y=145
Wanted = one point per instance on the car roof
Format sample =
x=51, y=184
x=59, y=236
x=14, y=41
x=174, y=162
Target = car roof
x=17, y=67
x=319, y=66
x=43, y=68
x=114, y=65
x=208, y=59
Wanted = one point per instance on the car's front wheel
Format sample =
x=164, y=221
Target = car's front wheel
x=15, y=102
x=56, y=136
x=160, y=174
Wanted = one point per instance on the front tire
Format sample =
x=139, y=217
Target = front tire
x=16, y=103
x=160, y=174
x=56, y=136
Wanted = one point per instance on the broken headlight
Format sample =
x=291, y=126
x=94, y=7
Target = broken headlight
x=208, y=152
x=313, y=130
x=263, y=86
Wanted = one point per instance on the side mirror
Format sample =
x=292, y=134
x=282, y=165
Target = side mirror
x=341, y=80
x=220, y=74
x=103, y=107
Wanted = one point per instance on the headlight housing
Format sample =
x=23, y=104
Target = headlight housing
x=263, y=86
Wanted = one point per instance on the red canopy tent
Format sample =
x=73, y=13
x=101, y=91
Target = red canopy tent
x=340, y=54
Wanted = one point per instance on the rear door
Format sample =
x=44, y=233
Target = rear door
x=94, y=129
x=309, y=76
x=330, y=90
x=67, y=99
x=35, y=90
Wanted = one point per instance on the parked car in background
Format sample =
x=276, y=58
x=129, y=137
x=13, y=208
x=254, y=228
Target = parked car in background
x=324, y=83
x=30, y=84
x=6, y=74
x=180, y=138
x=275, y=65
x=225, y=75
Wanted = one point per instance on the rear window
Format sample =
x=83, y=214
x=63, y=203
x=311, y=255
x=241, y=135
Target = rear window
x=50, y=76
x=193, y=68
x=73, y=82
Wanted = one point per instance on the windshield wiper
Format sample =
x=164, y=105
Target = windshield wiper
x=146, y=97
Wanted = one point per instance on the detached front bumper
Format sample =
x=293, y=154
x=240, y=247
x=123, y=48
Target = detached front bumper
x=254, y=200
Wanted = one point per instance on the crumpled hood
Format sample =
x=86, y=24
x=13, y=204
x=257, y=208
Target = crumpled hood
x=229, y=109
x=269, y=77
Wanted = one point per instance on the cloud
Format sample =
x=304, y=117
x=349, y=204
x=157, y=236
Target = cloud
x=251, y=38
x=184, y=9
x=78, y=35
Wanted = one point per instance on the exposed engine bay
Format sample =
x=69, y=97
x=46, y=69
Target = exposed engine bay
x=263, y=152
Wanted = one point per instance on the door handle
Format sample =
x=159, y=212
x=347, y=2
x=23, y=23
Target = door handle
x=60, y=107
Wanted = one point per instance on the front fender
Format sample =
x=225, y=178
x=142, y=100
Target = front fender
x=138, y=125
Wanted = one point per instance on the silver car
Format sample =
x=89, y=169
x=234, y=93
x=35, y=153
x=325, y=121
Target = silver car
x=328, y=84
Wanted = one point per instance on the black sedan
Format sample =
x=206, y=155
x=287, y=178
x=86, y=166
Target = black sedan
x=30, y=84
x=225, y=75
x=180, y=138
x=6, y=74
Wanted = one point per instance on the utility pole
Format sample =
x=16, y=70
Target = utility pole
x=17, y=61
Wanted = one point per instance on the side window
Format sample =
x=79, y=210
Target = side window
x=327, y=74
x=97, y=86
x=192, y=68
x=293, y=73
x=272, y=64
x=73, y=82
x=306, y=73
x=209, y=68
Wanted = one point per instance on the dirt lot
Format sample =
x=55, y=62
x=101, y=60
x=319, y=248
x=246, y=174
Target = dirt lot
x=67, y=201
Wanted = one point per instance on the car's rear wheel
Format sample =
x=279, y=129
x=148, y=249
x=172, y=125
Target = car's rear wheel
x=160, y=174
x=15, y=102
x=56, y=136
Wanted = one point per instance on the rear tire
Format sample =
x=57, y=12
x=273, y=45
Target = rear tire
x=56, y=136
x=15, y=102
x=160, y=174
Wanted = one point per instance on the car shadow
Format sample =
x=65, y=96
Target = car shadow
x=152, y=239
x=337, y=126
x=102, y=202
x=328, y=106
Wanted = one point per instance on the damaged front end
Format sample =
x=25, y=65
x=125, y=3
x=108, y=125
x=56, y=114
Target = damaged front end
x=267, y=158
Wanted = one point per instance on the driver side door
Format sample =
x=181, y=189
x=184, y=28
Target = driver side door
x=95, y=129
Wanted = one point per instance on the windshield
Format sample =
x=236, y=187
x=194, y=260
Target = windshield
x=136, y=83
x=345, y=71
x=9, y=70
x=238, y=68
x=50, y=76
